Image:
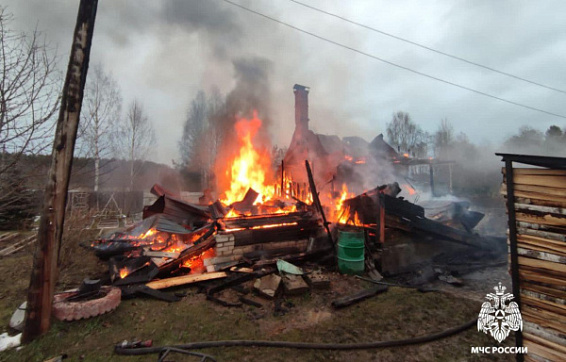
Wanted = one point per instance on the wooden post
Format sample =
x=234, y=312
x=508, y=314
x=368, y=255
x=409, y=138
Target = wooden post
x=282, y=179
x=431, y=174
x=450, y=175
x=380, y=222
x=46, y=256
x=514, y=254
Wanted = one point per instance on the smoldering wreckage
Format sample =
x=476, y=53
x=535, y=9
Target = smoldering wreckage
x=279, y=231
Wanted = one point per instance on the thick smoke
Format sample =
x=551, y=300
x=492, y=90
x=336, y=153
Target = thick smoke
x=250, y=96
x=217, y=23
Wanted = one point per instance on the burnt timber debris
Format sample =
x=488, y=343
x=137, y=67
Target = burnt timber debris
x=238, y=247
x=178, y=243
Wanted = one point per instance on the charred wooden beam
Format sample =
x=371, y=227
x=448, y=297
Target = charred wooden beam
x=247, y=202
x=317, y=203
x=271, y=219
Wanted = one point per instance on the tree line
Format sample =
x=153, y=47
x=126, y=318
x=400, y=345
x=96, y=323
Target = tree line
x=30, y=93
x=476, y=168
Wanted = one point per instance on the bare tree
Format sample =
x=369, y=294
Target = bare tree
x=443, y=139
x=29, y=95
x=100, y=114
x=193, y=129
x=404, y=134
x=202, y=135
x=29, y=92
x=137, y=136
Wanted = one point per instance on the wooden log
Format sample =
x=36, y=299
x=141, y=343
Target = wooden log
x=184, y=280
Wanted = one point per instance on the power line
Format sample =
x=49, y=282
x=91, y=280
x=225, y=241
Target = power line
x=427, y=48
x=391, y=63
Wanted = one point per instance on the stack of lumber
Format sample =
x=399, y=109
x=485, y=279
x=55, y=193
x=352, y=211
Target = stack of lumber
x=540, y=206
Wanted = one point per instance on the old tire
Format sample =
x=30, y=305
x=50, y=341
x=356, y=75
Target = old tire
x=66, y=310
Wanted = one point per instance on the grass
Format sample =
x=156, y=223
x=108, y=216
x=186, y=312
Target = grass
x=398, y=313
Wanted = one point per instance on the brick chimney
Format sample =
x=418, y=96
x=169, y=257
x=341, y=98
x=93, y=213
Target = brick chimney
x=301, y=108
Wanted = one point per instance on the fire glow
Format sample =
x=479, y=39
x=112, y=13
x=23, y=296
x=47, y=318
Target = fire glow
x=250, y=165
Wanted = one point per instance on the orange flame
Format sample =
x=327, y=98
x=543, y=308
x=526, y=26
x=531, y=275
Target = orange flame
x=196, y=263
x=250, y=167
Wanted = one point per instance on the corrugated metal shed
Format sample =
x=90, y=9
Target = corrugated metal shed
x=536, y=205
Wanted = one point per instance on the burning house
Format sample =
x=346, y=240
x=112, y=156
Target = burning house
x=294, y=212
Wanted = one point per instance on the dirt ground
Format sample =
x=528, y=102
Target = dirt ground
x=398, y=313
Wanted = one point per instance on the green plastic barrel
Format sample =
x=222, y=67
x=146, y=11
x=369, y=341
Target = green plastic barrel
x=351, y=252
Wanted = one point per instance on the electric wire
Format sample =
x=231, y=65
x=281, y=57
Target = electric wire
x=427, y=47
x=394, y=64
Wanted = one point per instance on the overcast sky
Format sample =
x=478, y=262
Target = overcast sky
x=164, y=52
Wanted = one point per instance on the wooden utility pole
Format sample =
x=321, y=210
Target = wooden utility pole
x=46, y=257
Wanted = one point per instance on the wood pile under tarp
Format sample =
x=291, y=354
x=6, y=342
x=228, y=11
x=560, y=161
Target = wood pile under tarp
x=536, y=205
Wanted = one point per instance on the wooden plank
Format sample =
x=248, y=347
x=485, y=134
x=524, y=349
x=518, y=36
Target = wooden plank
x=554, y=340
x=18, y=245
x=549, y=335
x=544, y=190
x=160, y=254
x=542, y=350
x=535, y=171
x=184, y=280
x=524, y=229
x=540, y=255
x=534, y=275
x=543, y=296
x=543, y=304
x=558, y=211
x=544, y=318
x=543, y=264
x=8, y=236
x=553, y=246
x=549, y=220
x=539, y=199
x=554, y=181
x=552, y=291
x=532, y=357
x=538, y=247
x=552, y=344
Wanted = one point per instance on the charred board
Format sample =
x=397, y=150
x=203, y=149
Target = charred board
x=246, y=222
